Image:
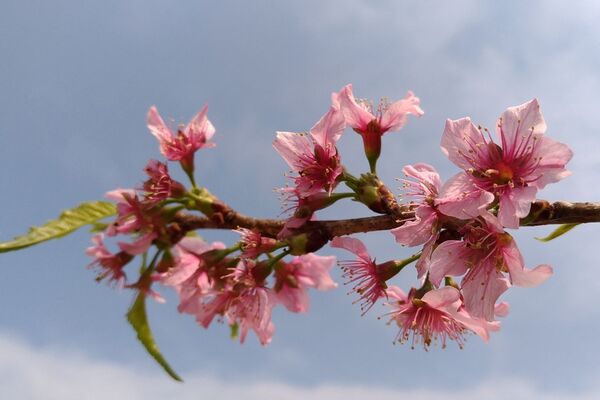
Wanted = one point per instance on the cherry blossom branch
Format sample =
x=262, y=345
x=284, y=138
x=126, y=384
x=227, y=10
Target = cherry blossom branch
x=542, y=213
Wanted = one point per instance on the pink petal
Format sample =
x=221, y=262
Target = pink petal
x=462, y=141
x=314, y=271
x=355, y=115
x=294, y=148
x=426, y=175
x=157, y=126
x=451, y=257
x=395, y=115
x=424, y=262
x=517, y=123
x=419, y=231
x=200, y=126
x=139, y=246
x=501, y=309
x=519, y=275
x=329, y=128
x=442, y=297
x=394, y=292
x=294, y=299
x=353, y=245
x=183, y=269
x=481, y=288
x=515, y=204
x=553, y=158
x=479, y=326
x=461, y=198
x=198, y=246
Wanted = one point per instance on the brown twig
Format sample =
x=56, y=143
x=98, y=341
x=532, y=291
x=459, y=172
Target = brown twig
x=542, y=213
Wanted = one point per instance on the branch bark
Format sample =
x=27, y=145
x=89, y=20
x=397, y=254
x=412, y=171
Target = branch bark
x=542, y=213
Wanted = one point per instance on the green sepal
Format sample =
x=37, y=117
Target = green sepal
x=561, y=230
x=235, y=330
x=139, y=321
x=68, y=222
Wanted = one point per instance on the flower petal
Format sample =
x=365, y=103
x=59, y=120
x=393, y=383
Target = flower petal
x=355, y=116
x=451, y=257
x=329, y=128
x=517, y=123
x=461, y=198
x=519, y=275
x=515, y=204
x=395, y=115
x=463, y=143
x=353, y=245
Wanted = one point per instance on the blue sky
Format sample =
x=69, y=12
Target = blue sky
x=76, y=79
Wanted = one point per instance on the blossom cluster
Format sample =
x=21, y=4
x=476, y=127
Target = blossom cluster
x=466, y=261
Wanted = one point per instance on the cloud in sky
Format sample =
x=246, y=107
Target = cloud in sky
x=52, y=373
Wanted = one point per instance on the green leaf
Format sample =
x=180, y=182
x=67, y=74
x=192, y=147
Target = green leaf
x=561, y=230
x=67, y=222
x=139, y=321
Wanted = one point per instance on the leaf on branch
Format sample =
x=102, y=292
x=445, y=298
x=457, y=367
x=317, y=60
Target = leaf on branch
x=561, y=230
x=68, y=221
x=139, y=321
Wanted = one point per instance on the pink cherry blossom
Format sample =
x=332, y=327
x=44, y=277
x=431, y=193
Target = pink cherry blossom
x=484, y=255
x=193, y=273
x=303, y=272
x=182, y=146
x=133, y=215
x=511, y=172
x=389, y=117
x=253, y=243
x=314, y=157
x=371, y=126
x=110, y=265
x=367, y=277
x=424, y=190
x=160, y=186
x=438, y=316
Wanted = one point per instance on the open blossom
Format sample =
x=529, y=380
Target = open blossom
x=303, y=272
x=314, y=157
x=368, y=278
x=253, y=243
x=424, y=189
x=182, y=145
x=371, y=125
x=485, y=254
x=438, y=316
x=193, y=273
x=511, y=172
x=110, y=265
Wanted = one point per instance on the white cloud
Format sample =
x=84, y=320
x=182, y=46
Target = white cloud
x=29, y=372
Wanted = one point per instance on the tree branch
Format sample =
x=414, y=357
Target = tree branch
x=542, y=213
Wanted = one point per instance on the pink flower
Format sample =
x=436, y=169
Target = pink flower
x=193, y=273
x=315, y=158
x=253, y=243
x=294, y=279
x=485, y=254
x=131, y=213
x=512, y=172
x=252, y=310
x=424, y=189
x=367, y=277
x=438, y=315
x=138, y=246
x=110, y=265
x=389, y=117
x=160, y=186
x=182, y=146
